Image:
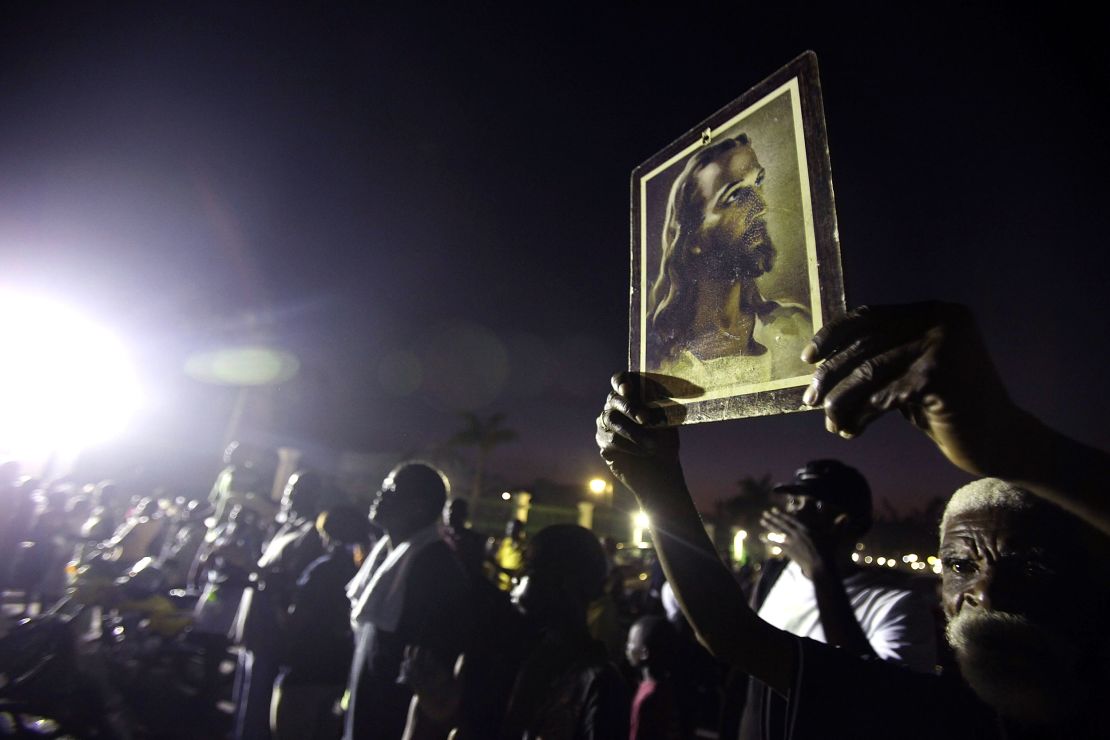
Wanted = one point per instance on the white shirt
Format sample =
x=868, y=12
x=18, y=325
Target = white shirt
x=377, y=592
x=897, y=622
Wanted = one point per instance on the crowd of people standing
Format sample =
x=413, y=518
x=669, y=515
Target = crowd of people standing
x=401, y=621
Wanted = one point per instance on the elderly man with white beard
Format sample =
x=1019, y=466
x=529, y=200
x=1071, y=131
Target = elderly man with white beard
x=1024, y=585
x=1025, y=592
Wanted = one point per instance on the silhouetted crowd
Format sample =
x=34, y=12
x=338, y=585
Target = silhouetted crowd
x=315, y=618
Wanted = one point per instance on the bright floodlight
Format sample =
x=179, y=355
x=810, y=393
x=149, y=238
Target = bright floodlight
x=597, y=485
x=65, y=383
x=640, y=522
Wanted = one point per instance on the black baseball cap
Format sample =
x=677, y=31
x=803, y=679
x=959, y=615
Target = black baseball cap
x=834, y=482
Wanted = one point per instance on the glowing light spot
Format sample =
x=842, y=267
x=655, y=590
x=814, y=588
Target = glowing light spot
x=506, y=496
x=640, y=522
x=778, y=537
x=738, y=545
x=65, y=382
x=598, y=485
x=247, y=365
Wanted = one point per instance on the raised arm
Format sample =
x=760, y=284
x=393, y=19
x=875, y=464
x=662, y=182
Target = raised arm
x=928, y=361
x=646, y=460
x=815, y=551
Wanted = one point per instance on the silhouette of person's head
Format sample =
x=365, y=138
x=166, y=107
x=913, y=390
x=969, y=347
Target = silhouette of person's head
x=235, y=453
x=564, y=570
x=247, y=459
x=455, y=513
x=9, y=474
x=411, y=497
x=343, y=525
x=830, y=496
x=109, y=494
x=651, y=644
x=303, y=495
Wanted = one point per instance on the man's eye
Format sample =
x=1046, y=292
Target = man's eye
x=734, y=196
x=962, y=566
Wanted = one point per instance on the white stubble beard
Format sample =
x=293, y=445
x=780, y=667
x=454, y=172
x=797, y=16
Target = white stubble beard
x=1022, y=670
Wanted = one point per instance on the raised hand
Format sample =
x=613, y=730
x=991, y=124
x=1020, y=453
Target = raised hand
x=812, y=548
x=640, y=455
x=928, y=361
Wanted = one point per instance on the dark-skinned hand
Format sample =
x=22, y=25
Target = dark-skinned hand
x=812, y=547
x=928, y=361
x=640, y=455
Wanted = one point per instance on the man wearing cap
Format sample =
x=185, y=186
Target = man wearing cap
x=820, y=593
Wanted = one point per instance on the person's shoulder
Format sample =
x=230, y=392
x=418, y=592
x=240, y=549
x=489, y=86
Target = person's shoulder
x=335, y=562
x=472, y=536
x=608, y=701
x=435, y=553
x=306, y=531
x=924, y=705
x=437, y=562
x=821, y=663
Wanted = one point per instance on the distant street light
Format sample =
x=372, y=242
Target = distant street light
x=738, y=552
x=640, y=523
x=601, y=488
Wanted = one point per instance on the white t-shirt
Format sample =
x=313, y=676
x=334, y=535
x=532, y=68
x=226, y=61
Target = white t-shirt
x=897, y=622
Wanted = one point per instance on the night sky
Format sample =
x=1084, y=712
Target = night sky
x=429, y=207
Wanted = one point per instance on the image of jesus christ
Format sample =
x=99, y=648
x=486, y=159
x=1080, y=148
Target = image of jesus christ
x=706, y=312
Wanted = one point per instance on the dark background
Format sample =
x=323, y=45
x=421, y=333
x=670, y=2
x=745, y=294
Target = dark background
x=368, y=185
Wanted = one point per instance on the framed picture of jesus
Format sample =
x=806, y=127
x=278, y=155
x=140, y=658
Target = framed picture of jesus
x=735, y=255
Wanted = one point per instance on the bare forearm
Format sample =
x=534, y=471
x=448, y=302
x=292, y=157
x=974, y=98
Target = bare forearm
x=708, y=594
x=839, y=622
x=1057, y=468
x=646, y=460
x=929, y=361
